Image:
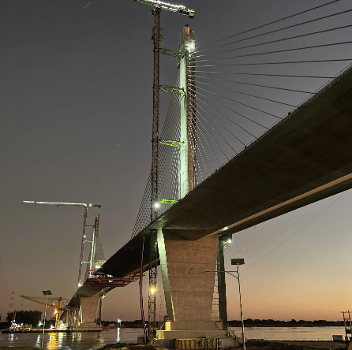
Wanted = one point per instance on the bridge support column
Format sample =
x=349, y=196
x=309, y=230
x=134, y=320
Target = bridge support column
x=89, y=308
x=188, y=287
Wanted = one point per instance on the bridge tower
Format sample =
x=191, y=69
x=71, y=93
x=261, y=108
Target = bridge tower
x=188, y=288
x=187, y=111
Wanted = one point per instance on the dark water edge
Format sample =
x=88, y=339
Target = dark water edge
x=291, y=333
x=95, y=341
x=71, y=341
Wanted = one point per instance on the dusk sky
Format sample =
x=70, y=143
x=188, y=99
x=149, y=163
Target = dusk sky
x=76, y=111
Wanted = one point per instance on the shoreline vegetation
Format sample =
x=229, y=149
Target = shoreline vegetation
x=292, y=323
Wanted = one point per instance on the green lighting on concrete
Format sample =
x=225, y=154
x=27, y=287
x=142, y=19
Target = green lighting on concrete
x=168, y=201
x=172, y=143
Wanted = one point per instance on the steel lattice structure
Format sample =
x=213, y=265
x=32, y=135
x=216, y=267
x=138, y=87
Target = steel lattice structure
x=154, y=179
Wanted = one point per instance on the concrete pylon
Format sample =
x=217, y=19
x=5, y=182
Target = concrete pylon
x=188, y=120
x=188, y=287
x=89, y=308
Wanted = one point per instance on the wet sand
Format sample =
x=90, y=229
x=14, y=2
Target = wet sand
x=250, y=345
x=256, y=345
x=293, y=345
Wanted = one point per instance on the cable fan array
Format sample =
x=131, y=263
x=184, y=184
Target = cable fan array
x=248, y=82
x=169, y=159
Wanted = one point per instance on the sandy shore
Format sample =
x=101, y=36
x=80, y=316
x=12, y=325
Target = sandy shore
x=293, y=345
x=256, y=345
x=251, y=345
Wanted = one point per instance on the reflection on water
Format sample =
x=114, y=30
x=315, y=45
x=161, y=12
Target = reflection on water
x=38, y=344
x=118, y=335
x=71, y=341
x=94, y=341
x=55, y=341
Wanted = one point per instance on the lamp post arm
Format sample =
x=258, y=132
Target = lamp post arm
x=232, y=274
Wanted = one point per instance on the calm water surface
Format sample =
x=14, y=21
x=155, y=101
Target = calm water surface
x=71, y=341
x=290, y=333
x=93, y=341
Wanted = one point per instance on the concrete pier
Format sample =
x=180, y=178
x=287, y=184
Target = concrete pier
x=89, y=308
x=188, y=288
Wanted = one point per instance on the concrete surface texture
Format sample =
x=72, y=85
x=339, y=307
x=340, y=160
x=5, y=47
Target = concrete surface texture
x=191, y=286
x=89, y=308
x=189, y=289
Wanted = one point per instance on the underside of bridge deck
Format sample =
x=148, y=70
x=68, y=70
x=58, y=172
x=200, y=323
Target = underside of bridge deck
x=304, y=158
x=297, y=162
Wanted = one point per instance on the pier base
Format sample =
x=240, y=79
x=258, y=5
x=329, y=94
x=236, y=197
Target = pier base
x=189, y=289
x=195, y=335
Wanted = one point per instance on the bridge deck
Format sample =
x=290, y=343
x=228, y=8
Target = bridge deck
x=304, y=158
x=307, y=150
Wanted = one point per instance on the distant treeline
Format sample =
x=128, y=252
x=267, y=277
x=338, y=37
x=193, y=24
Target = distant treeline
x=32, y=317
x=25, y=317
x=293, y=323
x=248, y=323
x=124, y=324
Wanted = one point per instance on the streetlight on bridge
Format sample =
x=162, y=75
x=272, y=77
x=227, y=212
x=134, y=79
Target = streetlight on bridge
x=86, y=206
x=237, y=262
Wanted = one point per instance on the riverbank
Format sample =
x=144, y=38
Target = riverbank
x=253, y=345
x=294, y=345
x=250, y=345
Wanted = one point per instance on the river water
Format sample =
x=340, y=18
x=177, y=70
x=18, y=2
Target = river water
x=93, y=341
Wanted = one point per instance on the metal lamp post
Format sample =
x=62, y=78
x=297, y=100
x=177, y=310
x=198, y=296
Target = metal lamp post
x=237, y=262
x=46, y=293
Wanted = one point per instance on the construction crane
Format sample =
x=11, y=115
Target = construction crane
x=57, y=307
x=154, y=198
x=86, y=206
x=183, y=10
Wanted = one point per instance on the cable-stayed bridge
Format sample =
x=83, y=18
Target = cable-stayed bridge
x=268, y=128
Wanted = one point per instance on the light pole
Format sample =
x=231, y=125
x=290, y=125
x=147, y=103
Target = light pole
x=86, y=206
x=237, y=262
x=46, y=293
